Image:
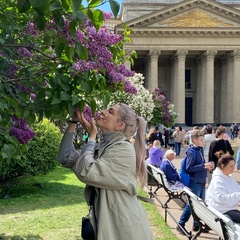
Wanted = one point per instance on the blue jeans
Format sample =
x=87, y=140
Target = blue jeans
x=177, y=147
x=199, y=190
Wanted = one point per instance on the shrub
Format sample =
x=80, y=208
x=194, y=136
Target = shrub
x=39, y=158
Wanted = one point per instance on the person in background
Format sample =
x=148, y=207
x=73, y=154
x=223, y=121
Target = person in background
x=159, y=136
x=177, y=140
x=166, y=137
x=196, y=167
x=156, y=154
x=208, y=138
x=150, y=135
x=149, y=146
x=111, y=170
x=232, y=131
x=170, y=170
x=219, y=145
x=183, y=131
x=223, y=193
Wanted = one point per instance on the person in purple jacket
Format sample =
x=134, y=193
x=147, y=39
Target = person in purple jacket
x=156, y=154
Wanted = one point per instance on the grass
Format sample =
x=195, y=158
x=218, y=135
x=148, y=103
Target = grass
x=50, y=207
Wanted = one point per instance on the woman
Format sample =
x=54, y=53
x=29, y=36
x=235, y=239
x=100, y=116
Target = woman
x=223, y=192
x=219, y=147
x=156, y=154
x=111, y=168
x=170, y=170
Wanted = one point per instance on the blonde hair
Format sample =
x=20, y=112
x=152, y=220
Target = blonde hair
x=135, y=124
x=156, y=144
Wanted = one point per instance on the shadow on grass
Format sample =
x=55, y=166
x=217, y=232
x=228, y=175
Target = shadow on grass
x=27, y=237
x=58, y=188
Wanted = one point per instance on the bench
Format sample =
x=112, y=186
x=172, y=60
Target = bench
x=152, y=182
x=173, y=192
x=205, y=215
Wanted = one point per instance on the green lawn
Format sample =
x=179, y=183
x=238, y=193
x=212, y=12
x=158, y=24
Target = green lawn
x=50, y=207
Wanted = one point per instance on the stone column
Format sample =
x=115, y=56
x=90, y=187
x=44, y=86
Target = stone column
x=127, y=62
x=198, y=90
x=171, y=85
x=223, y=103
x=180, y=86
x=153, y=68
x=228, y=94
x=209, y=87
x=236, y=86
x=147, y=74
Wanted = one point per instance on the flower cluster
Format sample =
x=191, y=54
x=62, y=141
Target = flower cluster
x=163, y=111
x=87, y=113
x=24, y=52
x=141, y=100
x=21, y=130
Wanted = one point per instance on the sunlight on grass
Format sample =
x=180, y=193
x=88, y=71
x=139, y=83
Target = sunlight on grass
x=50, y=207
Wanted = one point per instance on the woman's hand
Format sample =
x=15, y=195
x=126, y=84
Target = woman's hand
x=89, y=127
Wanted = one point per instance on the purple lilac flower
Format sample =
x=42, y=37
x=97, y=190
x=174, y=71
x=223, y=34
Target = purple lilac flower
x=125, y=71
x=129, y=88
x=12, y=70
x=32, y=96
x=83, y=65
x=31, y=29
x=107, y=15
x=87, y=113
x=80, y=36
x=22, y=51
x=21, y=130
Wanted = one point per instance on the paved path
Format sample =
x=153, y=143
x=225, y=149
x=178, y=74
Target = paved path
x=176, y=211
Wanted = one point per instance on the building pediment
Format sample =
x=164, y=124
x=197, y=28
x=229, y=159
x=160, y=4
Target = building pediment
x=189, y=14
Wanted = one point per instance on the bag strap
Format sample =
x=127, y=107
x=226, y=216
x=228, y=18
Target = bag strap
x=92, y=196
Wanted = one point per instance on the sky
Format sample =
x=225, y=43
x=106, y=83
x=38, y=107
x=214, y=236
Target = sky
x=106, y=6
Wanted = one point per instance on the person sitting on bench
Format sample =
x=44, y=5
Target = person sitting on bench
x=223, y=193
x=170, y=170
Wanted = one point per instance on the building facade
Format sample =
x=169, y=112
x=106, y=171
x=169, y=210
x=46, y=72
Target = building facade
x=190, y=49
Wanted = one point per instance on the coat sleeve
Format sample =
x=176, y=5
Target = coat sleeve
x=113, y=170
x=191, y=165
x=229, y=148
x=220, y=194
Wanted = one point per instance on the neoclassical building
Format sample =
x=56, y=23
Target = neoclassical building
x=190, y=49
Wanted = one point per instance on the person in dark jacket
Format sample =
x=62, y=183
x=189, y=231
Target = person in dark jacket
x=219, y=147
x=196, y=167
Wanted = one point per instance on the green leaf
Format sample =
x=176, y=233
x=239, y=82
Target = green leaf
x=69, y=52
x=38, y=3
x=65, y=4
x=93, y=106
x=65, y=96
x=55, y=101
x=31, y=119
x=40, y=21
x=96, y=17
x=60, y=44
x=51, y=33
x=55, y=6
x=115, y=7
x=86, y=88
x=72, y=27
x=23, y=6
x=94, y=3
x=106, y=99
x=82, y=51
x=76, y=5
x=75, y=100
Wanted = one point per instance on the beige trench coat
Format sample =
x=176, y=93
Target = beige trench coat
x=112, y=172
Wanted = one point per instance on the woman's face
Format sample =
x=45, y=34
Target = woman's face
x=228, y=169
x=108, y=120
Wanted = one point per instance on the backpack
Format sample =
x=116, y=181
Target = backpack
x=185, y=177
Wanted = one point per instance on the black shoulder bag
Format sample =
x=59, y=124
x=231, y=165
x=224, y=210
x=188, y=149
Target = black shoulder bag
x=87, y=232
